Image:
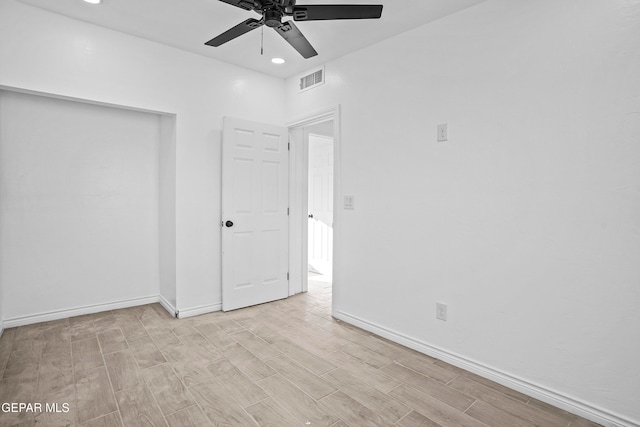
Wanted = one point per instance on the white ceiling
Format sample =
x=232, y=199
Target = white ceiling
x=188, y=24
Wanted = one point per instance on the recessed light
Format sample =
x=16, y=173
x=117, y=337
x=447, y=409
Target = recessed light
x=93, y=1
x=278, y=60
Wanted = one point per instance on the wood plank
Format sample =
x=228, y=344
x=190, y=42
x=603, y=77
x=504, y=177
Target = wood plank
x=426, y=367
x=112, y=340
x=495, y=417
x=57, y=417
x=351, y=411
x=304, y=408
x=145, y=352
x=434, y=409
x=269, y=414
x=188, y=417
x=16, y=389
x=22, y=364
x=312, y=362
x=130, y=326
x=93, y=394
x=257, y=346
x=498, y=400
x=165, y=338
x=365, y=355
x=228, y=325
x=86, y=354
x=55, y=374
x=109, y=420
x=220, y=408
x=190, y=367
x=235, y=383
x=123, y=370
x=415, y=419
x=167, y=388
x=81, y=328
x=433, y=388
x=305, y=380
x=389, y=408
x=491, y=384
x=57, y=342
x=200, y=346
x=138, y=408
x=369, y=375
x=215, y=335
x=253, y=367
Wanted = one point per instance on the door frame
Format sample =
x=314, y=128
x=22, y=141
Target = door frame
x=299, y=199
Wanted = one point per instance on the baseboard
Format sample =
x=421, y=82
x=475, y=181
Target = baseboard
x=168, y=306
x=196, y=311
x=1, y=328
x=78, y=311
x=536, y=391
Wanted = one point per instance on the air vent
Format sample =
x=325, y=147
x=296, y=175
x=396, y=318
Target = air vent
x=312, y=80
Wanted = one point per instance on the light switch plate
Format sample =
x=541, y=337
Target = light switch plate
x=443, y=132
x=349, y=202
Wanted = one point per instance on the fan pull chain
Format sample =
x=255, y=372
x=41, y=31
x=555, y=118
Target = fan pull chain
x=262, y=40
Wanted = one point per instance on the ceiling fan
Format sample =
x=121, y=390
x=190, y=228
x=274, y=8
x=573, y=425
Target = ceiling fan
x=273, y=11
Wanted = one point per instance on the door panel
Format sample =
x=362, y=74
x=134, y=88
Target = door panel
x=321, y=204
x=255, y=193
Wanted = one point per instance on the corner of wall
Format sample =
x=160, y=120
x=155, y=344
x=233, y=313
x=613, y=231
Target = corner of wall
x=167, y=214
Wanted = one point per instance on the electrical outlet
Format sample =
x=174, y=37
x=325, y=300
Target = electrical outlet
x=349, y=202
x=441, y=311
x=443, y=133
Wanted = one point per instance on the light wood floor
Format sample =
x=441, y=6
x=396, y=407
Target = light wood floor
x=286, y=363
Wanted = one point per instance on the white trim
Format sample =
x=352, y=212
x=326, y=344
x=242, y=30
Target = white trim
x=83, y=100
x=197, y=311
x=1, y=328
x=537, y=391
x=78, y=311
x=314, y=117
x=168, y=306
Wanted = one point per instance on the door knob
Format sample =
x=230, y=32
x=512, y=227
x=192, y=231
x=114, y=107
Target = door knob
x=310, y=215
x=229, y=223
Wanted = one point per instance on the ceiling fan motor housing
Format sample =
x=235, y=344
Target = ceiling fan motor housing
x=272, y=18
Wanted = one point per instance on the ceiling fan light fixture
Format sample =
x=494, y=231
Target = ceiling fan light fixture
x=93, y=1
x=278, y=60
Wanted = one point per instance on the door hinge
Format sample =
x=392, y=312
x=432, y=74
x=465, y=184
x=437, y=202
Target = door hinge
x=288, y=146
x=287, y=211
x=287, y=275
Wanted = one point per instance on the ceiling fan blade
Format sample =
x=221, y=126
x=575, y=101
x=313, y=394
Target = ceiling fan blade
x=319, y=12
x=295, y=38
x=238, y=30
x=242, y=4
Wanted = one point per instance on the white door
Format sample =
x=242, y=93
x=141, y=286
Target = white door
x=320, y=204
x=255, y=194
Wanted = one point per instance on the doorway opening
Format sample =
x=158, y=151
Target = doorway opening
x=315, y=186
x=320, y=141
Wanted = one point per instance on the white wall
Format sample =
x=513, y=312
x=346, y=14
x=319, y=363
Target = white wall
x=45, y=52
x=79, y=209
x=526, y=222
